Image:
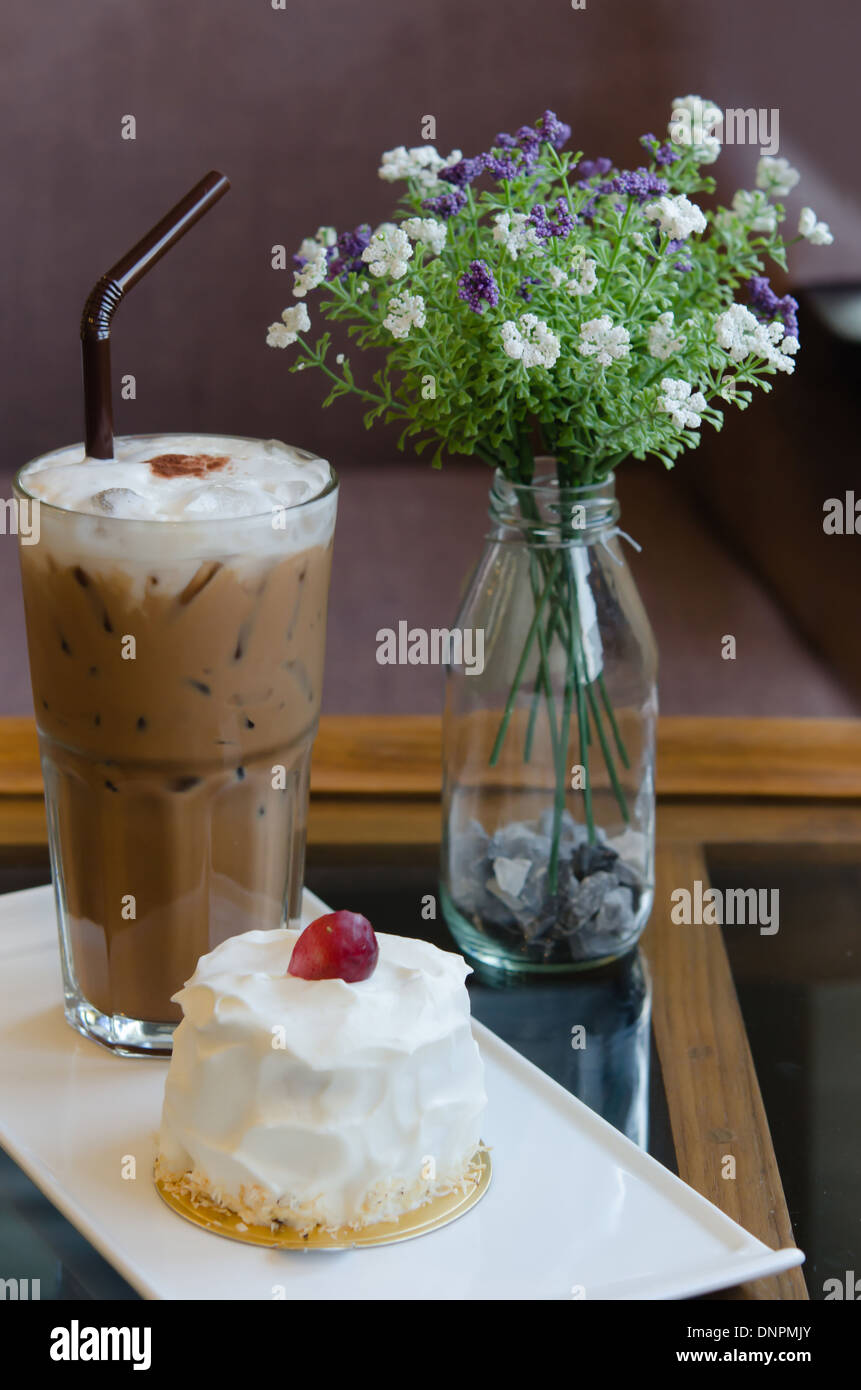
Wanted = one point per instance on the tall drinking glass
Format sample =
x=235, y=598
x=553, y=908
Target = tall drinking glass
x=176, y=668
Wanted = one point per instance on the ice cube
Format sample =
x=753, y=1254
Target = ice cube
x=290, y=494
x=222, y=500
x=121, y=502
x=274, y=448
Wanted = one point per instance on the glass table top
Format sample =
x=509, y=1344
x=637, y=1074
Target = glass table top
x=800, y=996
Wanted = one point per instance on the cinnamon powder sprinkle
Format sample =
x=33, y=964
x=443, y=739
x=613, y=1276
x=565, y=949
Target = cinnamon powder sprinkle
x=186, y=465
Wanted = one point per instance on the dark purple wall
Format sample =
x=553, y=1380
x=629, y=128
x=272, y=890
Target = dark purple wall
x=296, y=106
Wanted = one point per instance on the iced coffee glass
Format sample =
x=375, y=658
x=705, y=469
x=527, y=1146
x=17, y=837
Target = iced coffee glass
x=176, y=617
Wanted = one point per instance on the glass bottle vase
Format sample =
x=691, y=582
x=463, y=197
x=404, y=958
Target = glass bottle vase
x=549, y=737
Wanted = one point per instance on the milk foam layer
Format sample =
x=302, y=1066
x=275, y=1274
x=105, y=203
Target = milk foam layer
x=262, y=504
x=318, y=1100
x=258, y=477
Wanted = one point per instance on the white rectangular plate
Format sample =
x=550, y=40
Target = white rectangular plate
x=575, y=1210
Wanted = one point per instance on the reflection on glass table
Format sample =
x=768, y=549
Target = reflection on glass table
x=800, y=994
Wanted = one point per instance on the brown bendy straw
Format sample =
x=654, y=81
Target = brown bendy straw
x=106, y=295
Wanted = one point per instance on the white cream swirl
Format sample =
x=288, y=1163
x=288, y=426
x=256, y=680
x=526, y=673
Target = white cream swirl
x=319, y=1101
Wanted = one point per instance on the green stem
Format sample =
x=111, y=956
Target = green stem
x=575, y=638
x=547, y=686
x=544, y=679
x=571, y=675
x=623, y=227
x=656, y=269
x=608, y=757
x=533, y=714
x=316, y=360
x=575, y=634
x=611, y=716
x=521, y=665
x=563, y=622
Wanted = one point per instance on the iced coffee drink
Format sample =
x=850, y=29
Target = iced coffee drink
x=176, y=617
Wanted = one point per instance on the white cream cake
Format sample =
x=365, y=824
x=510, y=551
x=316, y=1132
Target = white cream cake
x=317, y=1102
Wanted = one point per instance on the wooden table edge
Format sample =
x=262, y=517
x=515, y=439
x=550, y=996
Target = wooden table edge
x=712, y=1091
x=389, y=755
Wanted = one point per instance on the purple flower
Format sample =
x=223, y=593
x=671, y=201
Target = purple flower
x=527, y=138
x=789, y=314
x=478, y=285
x=523, y=288
x=762, y=296
x=588, y=168
x=503, y=167
x=464, y=171
x=663, y=154
x=554, y=131
x=633, y=183
x=636, y=183
x=545, y=228
x=346, y=255
x=447, y=204
x=523, y=150
x=674, y=245
x=766, y=303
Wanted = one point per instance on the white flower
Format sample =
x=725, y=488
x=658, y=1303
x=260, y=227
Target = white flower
x=817, y=233
x=421, y=164
x=556, y=275
x=533, y=343
x=662, y=343
x=326, y=236
x=742, y=335
x=517, y=235
x=426, y=230
x=735, y=329
x=293, y=322
x=677, y=217
x=776, y=176
x=693, y=120
x=388, y=252
x=362, y=287
x=340, y=359
x=728, y=224
x=678, y=402
x=313, y=272
x=603, y=340
x=405, y=312
x=585, y=280
x=755, y=210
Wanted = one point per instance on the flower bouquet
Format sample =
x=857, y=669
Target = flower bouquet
x=554, y=315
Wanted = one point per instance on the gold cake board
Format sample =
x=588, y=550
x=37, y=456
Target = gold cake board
x=439, y=1211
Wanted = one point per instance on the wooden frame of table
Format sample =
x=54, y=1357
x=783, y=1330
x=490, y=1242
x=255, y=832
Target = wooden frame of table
x=375, y=789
